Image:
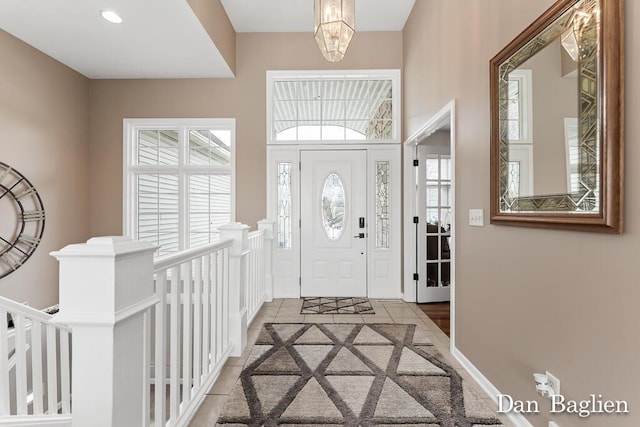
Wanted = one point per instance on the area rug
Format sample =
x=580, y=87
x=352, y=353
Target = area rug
x=334, y=305
x=353, y=375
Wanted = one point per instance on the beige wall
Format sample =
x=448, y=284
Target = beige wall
x=215, y=21
x=243, y=98
x=528, y=300
x=44, y=135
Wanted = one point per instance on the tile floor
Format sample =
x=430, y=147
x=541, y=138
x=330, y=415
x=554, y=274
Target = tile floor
x=288, y=311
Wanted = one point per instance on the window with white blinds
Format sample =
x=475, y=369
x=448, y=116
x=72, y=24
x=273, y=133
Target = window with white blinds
x=178, y=181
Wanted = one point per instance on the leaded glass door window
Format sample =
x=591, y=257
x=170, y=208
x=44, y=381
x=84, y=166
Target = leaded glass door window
x=382, y=195
x=333, y=206
x=284, y=212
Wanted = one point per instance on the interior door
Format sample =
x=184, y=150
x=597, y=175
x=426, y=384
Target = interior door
x=435, y=223
x=333, y=224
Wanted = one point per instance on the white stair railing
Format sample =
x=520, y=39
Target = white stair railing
x=189, y=330
x=150, y=338
x=255, y=274
x=35, y=355
x=206, y=298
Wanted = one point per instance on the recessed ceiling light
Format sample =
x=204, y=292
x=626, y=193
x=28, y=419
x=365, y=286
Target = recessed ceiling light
x=111, y=16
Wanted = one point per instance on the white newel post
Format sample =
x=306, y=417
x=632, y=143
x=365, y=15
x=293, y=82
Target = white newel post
x=268, y=226
x=106, y=287
x=237, y=284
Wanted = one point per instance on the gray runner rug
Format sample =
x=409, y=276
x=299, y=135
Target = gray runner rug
x=350, y=374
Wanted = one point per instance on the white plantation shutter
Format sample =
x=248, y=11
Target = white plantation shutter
x=158, y=210
x=180, y=180
x=209, y=206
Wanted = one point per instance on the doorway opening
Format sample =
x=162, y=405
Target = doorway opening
x=433, y=233
x=430, y=236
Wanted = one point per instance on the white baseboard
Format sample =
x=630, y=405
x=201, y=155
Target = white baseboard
x=286, y=295
x=408, y=296
x=516, y=418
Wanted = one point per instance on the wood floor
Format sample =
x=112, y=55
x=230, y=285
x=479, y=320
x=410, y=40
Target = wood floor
x=439, y=312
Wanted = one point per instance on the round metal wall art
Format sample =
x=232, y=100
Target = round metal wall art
x=22, y=219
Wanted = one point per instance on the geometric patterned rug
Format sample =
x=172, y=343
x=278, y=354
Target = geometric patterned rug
x=350, y=374
x=332, y=305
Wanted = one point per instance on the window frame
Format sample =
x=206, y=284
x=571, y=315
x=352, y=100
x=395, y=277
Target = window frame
x=525, y=103
x=131, y=169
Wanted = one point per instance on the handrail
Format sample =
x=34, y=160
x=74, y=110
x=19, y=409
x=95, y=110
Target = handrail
x=35, y=356
x=29, y=312
x=173, y=260
x=255, y=233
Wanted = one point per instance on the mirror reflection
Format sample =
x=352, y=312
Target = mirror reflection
x=543, y=115
x=549, y=118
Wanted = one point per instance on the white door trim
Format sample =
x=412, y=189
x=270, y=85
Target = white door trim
x=384, y=265
x=446, y=114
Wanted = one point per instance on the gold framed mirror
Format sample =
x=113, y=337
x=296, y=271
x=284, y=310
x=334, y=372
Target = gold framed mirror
x=557, y=119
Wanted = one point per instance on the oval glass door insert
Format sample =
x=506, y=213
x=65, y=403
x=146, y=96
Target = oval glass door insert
x=333, y=202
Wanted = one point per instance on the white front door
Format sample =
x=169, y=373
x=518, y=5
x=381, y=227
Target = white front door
x=333, y=223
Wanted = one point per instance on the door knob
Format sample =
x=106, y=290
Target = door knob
x=359, y=236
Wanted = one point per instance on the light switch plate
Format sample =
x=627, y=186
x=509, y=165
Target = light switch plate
x=476, y=217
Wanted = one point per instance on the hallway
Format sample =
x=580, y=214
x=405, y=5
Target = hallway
x=440, y=314
x=288, y=311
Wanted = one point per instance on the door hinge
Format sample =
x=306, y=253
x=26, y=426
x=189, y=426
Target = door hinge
x=300, y=223
x=299, y=166
x=416, y=219
x=416, y=162
x=416, y=276
x=300, y=281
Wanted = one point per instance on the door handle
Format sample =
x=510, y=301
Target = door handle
x=359, y=236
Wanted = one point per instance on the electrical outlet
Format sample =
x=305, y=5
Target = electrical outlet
x=476, y=217
x=552, y=424
x=554, y=384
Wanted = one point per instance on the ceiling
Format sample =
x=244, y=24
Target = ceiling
x=150, y=43
x=266, y=16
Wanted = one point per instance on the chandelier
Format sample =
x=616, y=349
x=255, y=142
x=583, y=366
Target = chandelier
x=571, y=39
x=334, y=26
